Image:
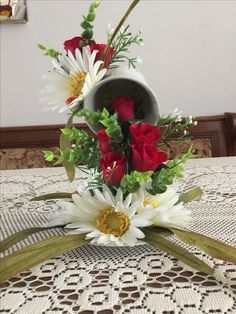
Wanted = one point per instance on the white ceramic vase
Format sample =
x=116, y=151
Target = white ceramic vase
x=121, y=80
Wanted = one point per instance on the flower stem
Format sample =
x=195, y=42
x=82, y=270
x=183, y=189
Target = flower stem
x=131, y=7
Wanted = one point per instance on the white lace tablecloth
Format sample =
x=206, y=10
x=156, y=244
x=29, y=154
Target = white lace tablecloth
x=107, y=280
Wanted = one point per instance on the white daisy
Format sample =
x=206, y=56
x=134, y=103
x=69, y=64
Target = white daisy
x=71, y=79
x=104, y=219
x=167, y=213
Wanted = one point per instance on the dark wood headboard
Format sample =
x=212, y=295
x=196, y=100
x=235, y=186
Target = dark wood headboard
x=220, y=130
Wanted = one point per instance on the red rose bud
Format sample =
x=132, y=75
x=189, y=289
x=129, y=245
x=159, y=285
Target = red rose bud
x=113, y=166
x=124, y=106
x=74, y=43
x=104, y=145
x=147, y=157
x=144, y=133
x=100, y=49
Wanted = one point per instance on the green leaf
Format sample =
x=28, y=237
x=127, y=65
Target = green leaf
x=87, y=20
x=21, y=235
x=52, y=53
x=52, y=196
x=177, y=251
x=42, y=47
x=66, y=131
x=48, y=155
x=37, y=253
x=191, y=195
x=65, y=143
x=122, y=21
x=49, y=51
x=131, y=182
x=164, y=232
x=212, y=247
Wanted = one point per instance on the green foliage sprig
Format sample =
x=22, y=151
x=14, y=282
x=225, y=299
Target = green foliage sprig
x=49, y=51
x=121, y=45
x=168, y=172
x=132, y=182
x=173, y=124
x=110, y=122
x=113, y=128
x=87, y=22
x=83, y=152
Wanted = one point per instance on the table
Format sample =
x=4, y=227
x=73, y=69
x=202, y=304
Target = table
x=107, y=280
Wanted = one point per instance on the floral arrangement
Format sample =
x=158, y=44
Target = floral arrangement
x=129, y=197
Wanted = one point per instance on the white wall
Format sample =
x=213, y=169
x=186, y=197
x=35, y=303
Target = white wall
x=189, y=56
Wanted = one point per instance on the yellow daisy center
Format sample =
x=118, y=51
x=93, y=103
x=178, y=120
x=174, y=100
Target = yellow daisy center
x=151, y=202
x=77, y=83
x=110, y=221
x=5, y=13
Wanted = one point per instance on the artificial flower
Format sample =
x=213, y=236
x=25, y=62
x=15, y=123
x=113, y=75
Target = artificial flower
x=104, y=218
x=146, y=157
x=144, y=133
x=72, y=78
x=103, y=139
x=100, y=50
x=75, y=43
x=113, y=166
x=167, y=212
x=6, y=10
x=124, y=106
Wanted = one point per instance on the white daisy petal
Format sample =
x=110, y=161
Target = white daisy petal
x=140, y=223
x=72, y=77
x=101, y=214
x=166, y=212
x=129, y=238
x=128, y=200
x=137, y=232
x=79, y=60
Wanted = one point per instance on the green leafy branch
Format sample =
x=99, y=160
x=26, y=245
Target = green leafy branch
x=165, y=175
x=87, y=22
x=83, y=151
x=133, y=181
x=174, y=127
x=110, y=122
x=121, y=44
x=49, y=51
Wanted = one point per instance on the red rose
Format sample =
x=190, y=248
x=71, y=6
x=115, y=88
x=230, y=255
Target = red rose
x=144, y=133
x=74, y=43
x=113, y=167
x=103, y=138
x=100, y=48
x=124, y=106
x=146, y=157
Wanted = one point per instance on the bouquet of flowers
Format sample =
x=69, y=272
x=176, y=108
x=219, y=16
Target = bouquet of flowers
x=129, y=197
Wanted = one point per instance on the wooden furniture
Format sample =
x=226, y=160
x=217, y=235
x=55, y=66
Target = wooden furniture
x=230, y=129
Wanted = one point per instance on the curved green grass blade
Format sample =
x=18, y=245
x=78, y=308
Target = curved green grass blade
x=65, y=143
x=164, y=232
x=212, y=247
x=177, y=251
x=37, y=253
x=122, y=21
x=190, y=195
x=52, y=196
x=21, y=235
